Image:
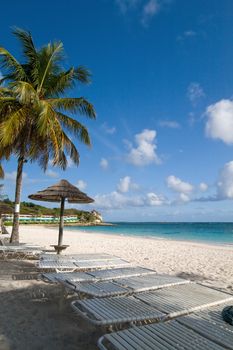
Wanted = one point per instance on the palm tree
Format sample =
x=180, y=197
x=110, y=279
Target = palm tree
x=34, y=120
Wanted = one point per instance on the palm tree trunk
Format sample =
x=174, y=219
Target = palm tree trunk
x=18, y=187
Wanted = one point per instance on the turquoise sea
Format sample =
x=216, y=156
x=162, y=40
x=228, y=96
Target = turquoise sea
x=204, y=232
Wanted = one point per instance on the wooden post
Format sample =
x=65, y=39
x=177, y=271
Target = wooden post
x=61, y=225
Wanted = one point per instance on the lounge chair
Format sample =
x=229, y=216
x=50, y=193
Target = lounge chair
x=60, y=264
x=158, y=305
x=204, y=330
x=20, y=251
x=121, y=272
x=210, y=324
x=101, y=275
x=79, y=257
x=163, y=336
x=130, y=285
x=67, y=276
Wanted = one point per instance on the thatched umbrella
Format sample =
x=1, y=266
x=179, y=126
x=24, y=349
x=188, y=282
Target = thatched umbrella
x=60, y=192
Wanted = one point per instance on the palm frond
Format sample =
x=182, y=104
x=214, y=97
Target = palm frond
x=12, y=66
x=71, y=149
x=74, y=105
x=59, y=83
x=30, y=53
x=25, y=93
x=83, y=75
x=49, y=57
x=74, y=127
x=12, y=125
x=1, y=172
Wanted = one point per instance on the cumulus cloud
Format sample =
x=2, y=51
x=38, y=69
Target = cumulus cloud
x=169, y=124
x=177, y=185
x=126, y=184
x=104, y=163
x=152, y=199
x=51, y=173
x=184, y=198
x=81, y=185
x=150, y=9
x=219, y=123
x=203, y=187
x=225, y=182
x=224, y=185
x=145, y=151
x=116, y=200
x=195, y=92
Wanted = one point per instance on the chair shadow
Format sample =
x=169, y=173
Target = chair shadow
x=30, y=317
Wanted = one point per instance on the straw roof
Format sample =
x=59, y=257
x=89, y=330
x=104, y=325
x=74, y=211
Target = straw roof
x=63, y=189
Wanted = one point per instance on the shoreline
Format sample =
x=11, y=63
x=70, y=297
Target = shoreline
x=154, y=237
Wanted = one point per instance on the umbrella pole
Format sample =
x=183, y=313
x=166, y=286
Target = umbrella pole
x=61, y=225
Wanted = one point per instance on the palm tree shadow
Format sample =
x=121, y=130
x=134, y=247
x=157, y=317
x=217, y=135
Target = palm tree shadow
x=30, y=317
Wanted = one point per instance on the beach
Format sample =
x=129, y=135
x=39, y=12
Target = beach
x=209, y=263
x=30, y=316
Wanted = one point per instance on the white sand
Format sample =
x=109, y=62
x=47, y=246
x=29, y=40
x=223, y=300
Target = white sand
x=29, y=309
x=197, y=261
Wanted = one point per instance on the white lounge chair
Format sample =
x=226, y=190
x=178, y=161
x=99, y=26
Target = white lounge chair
x=60, y=264
x=210, y=324
x=20, y=251
x=78, y=257
x=204, y=330
x=162, y=304
x=100, y=289
x=101, y=275
x=163, y=336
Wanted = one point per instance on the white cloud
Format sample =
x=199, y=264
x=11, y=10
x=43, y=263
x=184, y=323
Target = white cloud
x=116, y=200
x=144, y=9
x=150, y=9
x=169, y=124
x=225, y=182
x=152, y=199
x=177, y=185
x=51, y=173
x=126, y=184
x=12, y=176
x=107, y=129
x=104, y=163
x=81, y=185
x=203, y=187
x=145, y=151
x=219, y=124
x=183, y=197
x=195, y=92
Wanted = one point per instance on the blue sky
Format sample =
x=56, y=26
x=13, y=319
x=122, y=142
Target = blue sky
x=162, y=144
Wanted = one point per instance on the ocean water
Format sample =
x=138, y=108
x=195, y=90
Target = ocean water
x=204, y=232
